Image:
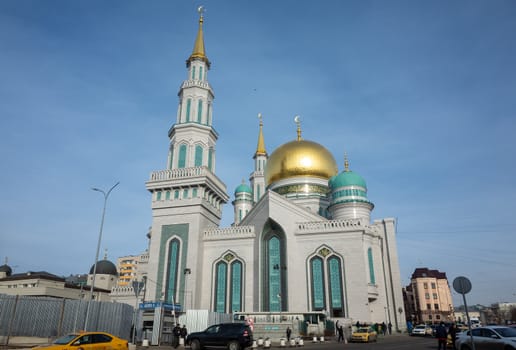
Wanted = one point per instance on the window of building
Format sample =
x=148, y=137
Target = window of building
x=194, y=193
x=428, y=306
x=434, y=295
x=199, y=111
x=193, y=72
x=433, y=285
x=167, y=195
x=158, y=195
x=425, y=285
x=188, y=108
x=436, y=306
x=176, y=194
x=172, y=265
x=228, y=278
x=198, y=155
x=372, y=279
x=427, y=295
x=200, y=73
x=185, y=193
x=182, y=157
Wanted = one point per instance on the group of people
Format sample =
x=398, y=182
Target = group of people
x=177, y=333
x=441, y=333
x=379, y=328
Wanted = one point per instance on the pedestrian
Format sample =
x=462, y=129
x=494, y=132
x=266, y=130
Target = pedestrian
x=384, y=328
x=441, y=334
x=341, y=334
x=389, y=326
x=184, y=333
x=289, y=332
x=453, y=334
x=176, y=333
x=358, y=324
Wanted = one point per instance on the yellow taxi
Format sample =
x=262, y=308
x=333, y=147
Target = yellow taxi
x=87, y=341
x=364, y=335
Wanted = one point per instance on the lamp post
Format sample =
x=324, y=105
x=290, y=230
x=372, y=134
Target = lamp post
x=106, y=195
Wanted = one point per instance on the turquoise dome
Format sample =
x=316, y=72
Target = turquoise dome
x=347, y=178
x=243, y=188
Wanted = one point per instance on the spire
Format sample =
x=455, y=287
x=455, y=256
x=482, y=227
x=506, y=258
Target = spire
x=346, y=163
x=260, y=148
x=297, y=120
x=198, y=50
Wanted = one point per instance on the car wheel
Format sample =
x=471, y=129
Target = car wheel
x=233, y=345
x=195, y=345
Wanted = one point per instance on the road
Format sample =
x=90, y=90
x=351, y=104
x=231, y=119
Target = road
x=389, y=342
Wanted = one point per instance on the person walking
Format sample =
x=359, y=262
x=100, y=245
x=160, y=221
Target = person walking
x=389, y=326
x=384, y=328
x=341, y=333
x=289, y=332
x=176, y=333
x=184, y=333
x=452, y=331
x=442, y=335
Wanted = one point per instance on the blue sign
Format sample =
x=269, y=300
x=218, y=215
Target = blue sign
x=150, y=305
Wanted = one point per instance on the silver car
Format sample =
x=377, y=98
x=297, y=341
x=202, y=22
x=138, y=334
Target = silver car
x=488, y=338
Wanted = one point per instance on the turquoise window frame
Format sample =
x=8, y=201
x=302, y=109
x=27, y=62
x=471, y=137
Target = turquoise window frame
x=199, y=111
x=335, y=281
x=200, y=73
x=188, y=109
x=185, y=193
x=274, y=273
x=167, y=195
x=193, y=72
x=176, y=194
x=158, y=195
x=181, y=162
x=318, y=281
x=198, y=155
x=372, y=278
x=236, y=286
x=172, y=268
x=194, y=192
x=210, y=159
x=220, y=286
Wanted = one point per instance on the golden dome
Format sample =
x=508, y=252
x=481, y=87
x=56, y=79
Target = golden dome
x=300, y=158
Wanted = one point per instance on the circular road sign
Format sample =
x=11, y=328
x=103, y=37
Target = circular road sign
x=462, y=285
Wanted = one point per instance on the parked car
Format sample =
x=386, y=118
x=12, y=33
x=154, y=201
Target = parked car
x=87, y=341
x=364, y=335
x=233, y=336
x=422, y=330
x=488, y=337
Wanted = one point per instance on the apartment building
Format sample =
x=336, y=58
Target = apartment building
x=428, y=297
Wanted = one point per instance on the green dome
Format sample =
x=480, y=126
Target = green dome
x=347, y=178
x=243, y=188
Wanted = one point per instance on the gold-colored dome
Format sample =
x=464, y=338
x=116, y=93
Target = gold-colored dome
x=300, y=158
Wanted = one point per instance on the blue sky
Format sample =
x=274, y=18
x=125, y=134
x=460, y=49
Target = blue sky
x=420, y=94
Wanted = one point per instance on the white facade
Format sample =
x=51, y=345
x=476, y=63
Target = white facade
x=292, y=252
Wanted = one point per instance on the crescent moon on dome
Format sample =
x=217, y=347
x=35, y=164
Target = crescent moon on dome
x=296, y=119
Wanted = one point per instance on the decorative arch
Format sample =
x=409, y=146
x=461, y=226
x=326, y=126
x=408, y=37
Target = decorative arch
x=326, y=285
x=172, y=269
x=181, y=161
x=228, y=289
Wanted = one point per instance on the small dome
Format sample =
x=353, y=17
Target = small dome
x=6, y=269
x=105, y=267
x=347, y=178
x=243, y=188
x=300, y=158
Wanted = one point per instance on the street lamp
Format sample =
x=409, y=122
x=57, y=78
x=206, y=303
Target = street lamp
x=187, y=272
x=106, y=195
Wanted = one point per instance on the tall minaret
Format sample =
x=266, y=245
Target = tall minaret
x=187, y=197
x=257, y=177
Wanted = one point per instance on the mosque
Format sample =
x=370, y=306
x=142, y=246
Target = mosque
x=302, y=239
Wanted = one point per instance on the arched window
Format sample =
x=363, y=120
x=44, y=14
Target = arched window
x=228, y=284
x=221, y=270
x=198, y=155
x=236, y=286
x=335, y=281
x=326, y=282
x=188, y=108
x=172, y=265
x=199, y=111
x=182, y=157
x=210, y=159
x=193, y=72
x=200, y=73
x=318, y=294
x=372, y=279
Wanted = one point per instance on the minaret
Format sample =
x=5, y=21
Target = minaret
x=257, y=177
x=187, y=197
x=243, y=202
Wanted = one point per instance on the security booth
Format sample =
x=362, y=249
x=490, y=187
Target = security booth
x=158, y=321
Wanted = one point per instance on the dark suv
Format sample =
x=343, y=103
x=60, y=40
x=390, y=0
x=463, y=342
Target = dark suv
x=234, y=336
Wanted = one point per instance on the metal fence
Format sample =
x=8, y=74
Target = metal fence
x=50, y=317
